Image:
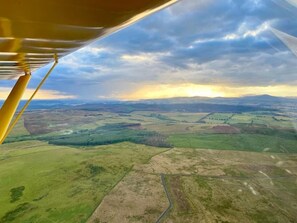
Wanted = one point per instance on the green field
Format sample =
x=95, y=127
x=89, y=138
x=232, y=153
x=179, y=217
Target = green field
x=229, y=131
x=243, y=142
x=45, y=183
x=218, y=118
x=58, y=166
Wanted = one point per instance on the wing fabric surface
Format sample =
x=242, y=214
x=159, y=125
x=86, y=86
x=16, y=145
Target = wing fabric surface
x=288, y=40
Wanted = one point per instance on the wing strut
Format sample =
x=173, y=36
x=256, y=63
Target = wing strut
x=10, y=105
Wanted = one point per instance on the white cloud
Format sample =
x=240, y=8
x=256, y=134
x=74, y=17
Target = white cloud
x=243, y=32
x=144, y=57
x=231, y=36
x=93, y=50
x=42, y=94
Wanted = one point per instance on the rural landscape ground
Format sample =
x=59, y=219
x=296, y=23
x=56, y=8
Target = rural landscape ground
x=179, y=160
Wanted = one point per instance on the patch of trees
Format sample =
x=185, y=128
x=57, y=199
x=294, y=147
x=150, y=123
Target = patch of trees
x=110, y=134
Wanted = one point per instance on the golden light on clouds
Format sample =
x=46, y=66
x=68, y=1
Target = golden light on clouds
x=169, y=91
x=41, y=95
x=192, y=90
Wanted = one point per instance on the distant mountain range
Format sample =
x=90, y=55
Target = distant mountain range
x=257, y=100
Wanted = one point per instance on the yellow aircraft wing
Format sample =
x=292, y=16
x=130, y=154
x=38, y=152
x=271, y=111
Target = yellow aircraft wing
x=34, y=33
x=31, y=31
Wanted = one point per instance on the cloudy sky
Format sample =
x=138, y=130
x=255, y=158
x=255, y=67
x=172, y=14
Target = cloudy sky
x=193, y=48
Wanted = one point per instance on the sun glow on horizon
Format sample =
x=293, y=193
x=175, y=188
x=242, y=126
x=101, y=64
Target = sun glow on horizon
x=193, y=90
x=170, y=91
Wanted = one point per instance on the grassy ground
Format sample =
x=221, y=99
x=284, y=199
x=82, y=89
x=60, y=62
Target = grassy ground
x=20, y=130
x=44, y=183
x=243, y=142
x=207, y=186
x=200, y=199
x=218, y=118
